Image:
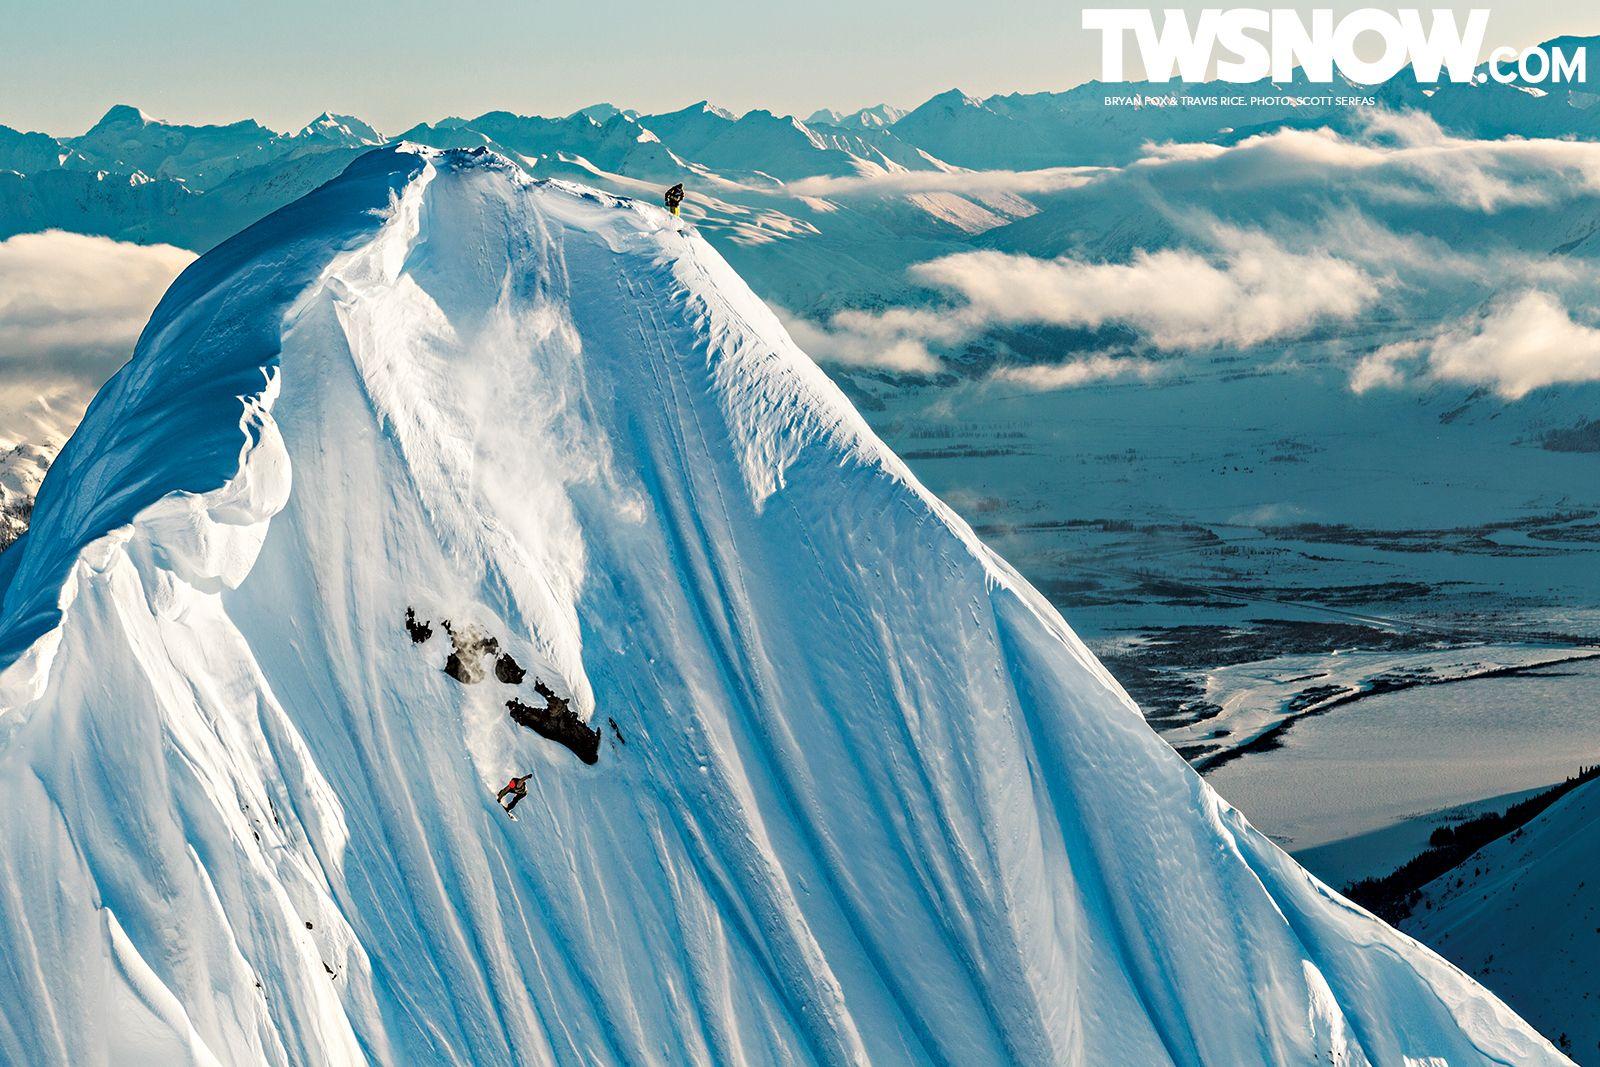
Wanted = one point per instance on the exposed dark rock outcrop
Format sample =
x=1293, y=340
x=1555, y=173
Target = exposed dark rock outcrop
x=419, y=631
x=470, y=647
x=557, y=722
x=473, y=653
x=509, y=670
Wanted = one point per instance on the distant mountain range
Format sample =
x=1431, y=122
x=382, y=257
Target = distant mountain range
x=141, y=179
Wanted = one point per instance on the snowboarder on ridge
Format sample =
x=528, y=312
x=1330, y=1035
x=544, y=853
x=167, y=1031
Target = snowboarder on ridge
x=673, y=198
x=517, y=788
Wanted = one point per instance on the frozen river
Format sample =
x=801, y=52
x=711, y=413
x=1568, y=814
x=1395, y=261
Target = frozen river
x=1356, y=791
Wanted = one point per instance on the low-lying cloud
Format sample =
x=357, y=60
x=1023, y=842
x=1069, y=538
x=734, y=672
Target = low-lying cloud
x=896, y=340
x=71, y=308
x=1292, y=234
x=978, y=183
x=1401, y=157
x=1250, y=290
x=1046, y=377
x=1523, y=342
x=1247, y=290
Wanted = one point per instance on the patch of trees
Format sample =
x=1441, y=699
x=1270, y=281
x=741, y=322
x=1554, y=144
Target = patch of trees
x=1393, y=896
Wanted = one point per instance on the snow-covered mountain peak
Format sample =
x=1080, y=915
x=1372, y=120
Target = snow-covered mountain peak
x=953, y=98
x=22, y=469
x=123, y=116
x=604, y=112
x=877, y=116
x=344, y=129
x=442, y=474
x=706, y=107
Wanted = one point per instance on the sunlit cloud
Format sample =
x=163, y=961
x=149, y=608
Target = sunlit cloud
x=1402, y=157
x=71, y=308
x=1249, y=290
x=894, y=341
x=979, y=183
x=1045, y=377
x=1523, y=342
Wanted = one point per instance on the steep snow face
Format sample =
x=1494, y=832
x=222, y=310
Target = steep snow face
x=859, y=794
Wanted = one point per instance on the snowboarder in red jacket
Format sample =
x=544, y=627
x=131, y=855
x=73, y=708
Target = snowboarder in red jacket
x=516, y=789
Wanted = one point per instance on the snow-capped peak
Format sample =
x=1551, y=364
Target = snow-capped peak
x=708, y=108
x=878, y=116
x=604, y=112
x=123, y=116
x=442, y=475
x=954, y=98
x=344, y=128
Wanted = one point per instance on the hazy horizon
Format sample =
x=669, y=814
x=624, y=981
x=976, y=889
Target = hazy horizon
x=63, y=66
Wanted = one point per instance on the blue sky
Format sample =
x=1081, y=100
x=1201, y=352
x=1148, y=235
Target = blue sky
x=399, y=62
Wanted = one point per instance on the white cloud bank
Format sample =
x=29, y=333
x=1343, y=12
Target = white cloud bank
x=1400, y=157
x=978, y=183
x=1525, y=341
x=895, y=340
x=1284, y=235
x=71, y=307
x=1045, y=377
x=1250, y=290
x=1247, y=290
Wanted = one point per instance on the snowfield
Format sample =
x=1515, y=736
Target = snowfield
x=861, y=795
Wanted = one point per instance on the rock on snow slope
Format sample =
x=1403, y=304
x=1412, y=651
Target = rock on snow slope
x=866, y=796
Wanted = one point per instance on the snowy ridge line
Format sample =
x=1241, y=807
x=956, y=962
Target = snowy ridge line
x=121, y=465
x=1481, y=914
x=877, y=802
x=166, y=564
x=207, y=540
